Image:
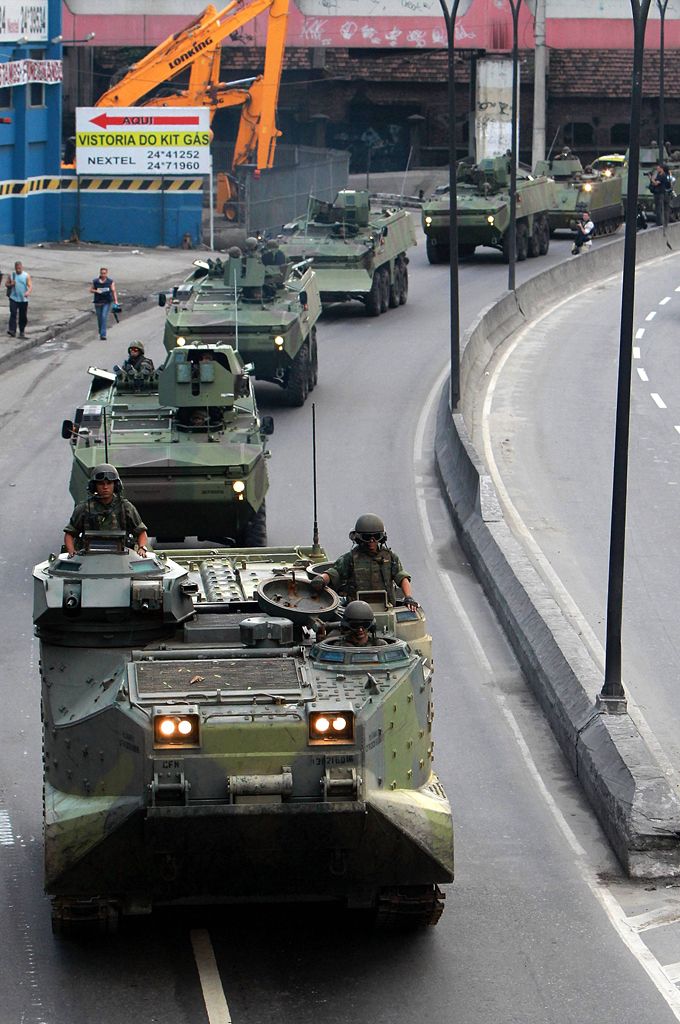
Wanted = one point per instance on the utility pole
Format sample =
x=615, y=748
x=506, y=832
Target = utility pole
x=540, y=68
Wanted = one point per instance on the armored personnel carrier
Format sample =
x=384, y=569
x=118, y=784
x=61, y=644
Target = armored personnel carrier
x=578, y=190
x=210, y=736
x=266, y=310
x=616, y=165
x=483, y=197
x=358, y=253
x=187, y=441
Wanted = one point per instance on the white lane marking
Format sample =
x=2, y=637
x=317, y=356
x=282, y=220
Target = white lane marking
x=673, y=972
x=209, y=976
x=636, y=352
x=654, y=918
x=664, y=983
x=6, y=831
x=664, y=301
x=650, y=316
x=677, y=427
x=659, y=400
x=678, y=288
x=642, y=374
x=640, y=334
x=542, y=564
x=444, y=578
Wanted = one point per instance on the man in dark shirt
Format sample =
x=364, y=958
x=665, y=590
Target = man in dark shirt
x=106, y=509
x=104, y=291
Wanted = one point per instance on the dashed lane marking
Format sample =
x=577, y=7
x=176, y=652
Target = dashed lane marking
x=650, y=316
x=640, y=334
x=209, y=976
x=636, y=352
x=664, y=301
x=659, y=400
x=642, y=374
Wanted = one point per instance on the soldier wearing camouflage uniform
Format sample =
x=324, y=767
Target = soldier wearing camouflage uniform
x=137, y=362
x=370, y=565
x=106, y=509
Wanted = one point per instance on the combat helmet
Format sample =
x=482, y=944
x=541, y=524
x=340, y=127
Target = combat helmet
x=234, y=252
x=104, y=471
x=138, y=345
x=358, y=615
x=250, y=244
x=368, y=523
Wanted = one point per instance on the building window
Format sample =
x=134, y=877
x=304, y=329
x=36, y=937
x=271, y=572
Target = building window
x=36, y=94
x=578, y=133
x=620, y=134
x=6, y=98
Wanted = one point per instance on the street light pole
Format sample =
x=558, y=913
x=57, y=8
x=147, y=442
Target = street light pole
x=454, y=310
x=512, y=248
x=662, y=5
x=612, y=698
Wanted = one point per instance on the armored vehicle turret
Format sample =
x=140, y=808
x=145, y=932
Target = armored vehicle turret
x=187, y=441
x=578, y=190
x=483, y=199
x=358, y=251
x=261, y=304
x=212, y=733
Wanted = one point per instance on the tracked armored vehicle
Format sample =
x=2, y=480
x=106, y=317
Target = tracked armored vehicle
x=268, y=311
x=209, y=736
x=187, y=441
x=483, y=197
x=578, y=190
x=358, y=252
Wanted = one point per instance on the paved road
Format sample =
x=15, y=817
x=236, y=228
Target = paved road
x=539, y=928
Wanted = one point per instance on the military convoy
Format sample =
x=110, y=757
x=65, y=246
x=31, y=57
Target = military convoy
x=211, y=735
x=483, y=198
x=578, y=190
x=357, y=252
x=261, y=304
x=187, y=441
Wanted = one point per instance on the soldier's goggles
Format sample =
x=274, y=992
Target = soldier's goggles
x=370, y=536
x=106, y=476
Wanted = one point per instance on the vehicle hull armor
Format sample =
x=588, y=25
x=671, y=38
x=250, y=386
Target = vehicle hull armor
x=358, y=252
x=253, y=802
x=578, y=190
x=483, y=204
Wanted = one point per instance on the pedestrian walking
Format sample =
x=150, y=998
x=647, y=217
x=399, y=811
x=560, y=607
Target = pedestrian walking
x=19, y=287
x=105, y=295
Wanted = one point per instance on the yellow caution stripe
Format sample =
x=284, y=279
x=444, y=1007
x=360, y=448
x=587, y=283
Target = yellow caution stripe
x=31, y=186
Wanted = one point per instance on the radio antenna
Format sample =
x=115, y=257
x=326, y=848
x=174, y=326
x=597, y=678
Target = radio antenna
x=106, y=443
x=316, y=550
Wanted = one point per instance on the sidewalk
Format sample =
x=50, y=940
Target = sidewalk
x=61, y=275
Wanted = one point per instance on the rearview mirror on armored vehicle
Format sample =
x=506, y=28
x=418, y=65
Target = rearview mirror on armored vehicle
x=267, y=425
x=303, y=298
x=162, y=298
x=67, y=429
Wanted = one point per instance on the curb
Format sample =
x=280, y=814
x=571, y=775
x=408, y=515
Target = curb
x=638, y=810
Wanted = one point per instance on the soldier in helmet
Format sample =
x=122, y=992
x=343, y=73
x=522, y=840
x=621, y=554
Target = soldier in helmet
x=272, y=255
x=250, y=246
x=105, y=509
x=358, y=626
x=370, y=565
x=136, y=361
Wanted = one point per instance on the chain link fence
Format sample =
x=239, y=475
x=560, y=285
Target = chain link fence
x=281, y=194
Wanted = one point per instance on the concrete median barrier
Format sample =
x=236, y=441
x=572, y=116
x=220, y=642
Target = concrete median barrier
x=638, y=810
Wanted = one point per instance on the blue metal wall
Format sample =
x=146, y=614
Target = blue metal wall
x=30, y=147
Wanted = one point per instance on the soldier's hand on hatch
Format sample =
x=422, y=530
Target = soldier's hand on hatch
x=411, y=603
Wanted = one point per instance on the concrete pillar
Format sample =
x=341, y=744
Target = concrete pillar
x=540, y=54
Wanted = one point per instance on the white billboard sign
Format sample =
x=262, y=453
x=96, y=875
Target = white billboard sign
x=27, y=72
x=143, y=140
x=23, y=18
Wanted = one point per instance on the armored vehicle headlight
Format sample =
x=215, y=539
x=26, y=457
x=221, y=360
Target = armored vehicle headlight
x=181, y=341
x=278, y=341
x=491, y=219
x=587, y=187
x=171, y=729
x=428, y=221
x=331, y=727
x=239, y=486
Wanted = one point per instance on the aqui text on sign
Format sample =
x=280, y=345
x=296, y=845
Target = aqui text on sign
x=143, y=140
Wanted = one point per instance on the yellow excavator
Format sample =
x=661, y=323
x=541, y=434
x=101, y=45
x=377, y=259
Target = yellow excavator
x=198, y=47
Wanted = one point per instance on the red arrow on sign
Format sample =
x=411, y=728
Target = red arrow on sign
x=106, y=120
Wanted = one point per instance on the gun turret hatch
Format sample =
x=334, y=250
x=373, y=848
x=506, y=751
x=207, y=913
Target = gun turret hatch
x=196, y=376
